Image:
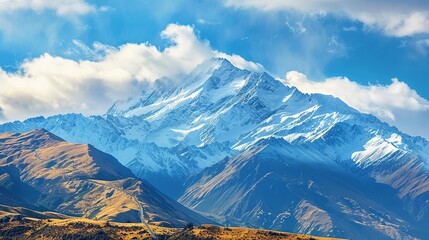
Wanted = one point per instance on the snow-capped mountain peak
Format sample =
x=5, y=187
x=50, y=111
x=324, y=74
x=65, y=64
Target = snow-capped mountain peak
x=179, y=126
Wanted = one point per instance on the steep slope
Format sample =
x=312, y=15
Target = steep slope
x=178, y=127
x=43, y=171
x=159, y=134
x=276, y=185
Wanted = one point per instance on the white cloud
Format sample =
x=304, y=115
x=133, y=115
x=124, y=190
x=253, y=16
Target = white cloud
x=336, y=47
x=296, y=27
x=240, y=62
x=37, y=25
x=350, y=29
x=61, y=7
x=393, y=17
x=50, y=85
x=422, y=46
x=207, y=22
x=395, y=103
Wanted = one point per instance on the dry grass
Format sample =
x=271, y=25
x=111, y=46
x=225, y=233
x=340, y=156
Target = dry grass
x=79, y=228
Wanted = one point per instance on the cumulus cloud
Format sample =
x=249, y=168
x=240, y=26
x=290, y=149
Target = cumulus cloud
x=394, y=18
x=395, y=103
x=62, y=7
x=49, y=85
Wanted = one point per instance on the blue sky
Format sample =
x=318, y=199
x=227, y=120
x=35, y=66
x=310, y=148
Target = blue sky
x=361, y=43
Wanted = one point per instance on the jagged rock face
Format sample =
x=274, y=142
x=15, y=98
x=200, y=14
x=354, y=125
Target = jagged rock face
x=277, y=185
x=40, y=170
x=178, y=127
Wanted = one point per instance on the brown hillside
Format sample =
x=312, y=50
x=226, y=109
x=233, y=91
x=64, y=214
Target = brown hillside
x=41, y=171
x=88, y=229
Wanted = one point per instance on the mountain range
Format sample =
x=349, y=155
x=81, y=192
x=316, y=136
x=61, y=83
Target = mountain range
x=39, y=170
x=245, y=148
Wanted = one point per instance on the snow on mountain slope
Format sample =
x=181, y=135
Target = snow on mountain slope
x=277, y=185
x=179, y=126
x=41, y=171
x=121, y=137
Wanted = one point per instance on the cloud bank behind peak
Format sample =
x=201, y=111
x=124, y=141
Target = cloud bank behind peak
x=395, y=103
x=49, y=85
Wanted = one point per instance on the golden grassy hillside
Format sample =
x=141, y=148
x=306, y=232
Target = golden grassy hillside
x=78, y=228
x=41, y=155
x=25, y=212
x=39, y=170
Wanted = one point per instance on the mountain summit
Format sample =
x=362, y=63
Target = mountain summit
x=266, y=133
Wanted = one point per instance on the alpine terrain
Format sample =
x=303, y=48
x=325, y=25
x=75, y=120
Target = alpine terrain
x=246, y=149
x=40, y=171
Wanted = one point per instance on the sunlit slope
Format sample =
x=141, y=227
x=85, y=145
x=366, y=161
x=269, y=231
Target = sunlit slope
x=88, y=229
x=40, y=170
